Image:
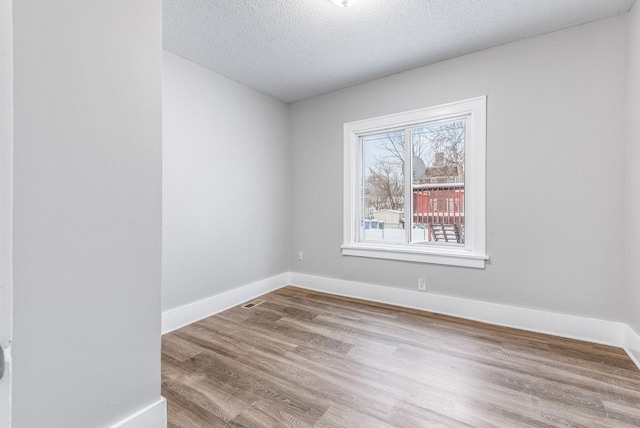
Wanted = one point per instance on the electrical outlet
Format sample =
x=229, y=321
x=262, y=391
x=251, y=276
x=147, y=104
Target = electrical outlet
x=422, y=284
x=300, y=255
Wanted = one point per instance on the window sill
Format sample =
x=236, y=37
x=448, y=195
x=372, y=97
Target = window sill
x=450, y=257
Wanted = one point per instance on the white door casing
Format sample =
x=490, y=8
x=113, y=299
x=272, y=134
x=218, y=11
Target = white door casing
x=6, y=191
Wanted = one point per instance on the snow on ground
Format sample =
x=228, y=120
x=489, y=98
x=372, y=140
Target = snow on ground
x=393, y=234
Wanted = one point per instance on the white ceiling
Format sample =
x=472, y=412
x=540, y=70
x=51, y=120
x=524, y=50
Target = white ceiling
x=295, y=49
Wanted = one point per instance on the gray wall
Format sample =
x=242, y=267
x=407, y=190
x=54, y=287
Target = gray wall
x=225, y=184
x=87, y=211
x=555, y=167
x=633, y=173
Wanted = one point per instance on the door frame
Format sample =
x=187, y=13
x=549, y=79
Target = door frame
x=6, y=204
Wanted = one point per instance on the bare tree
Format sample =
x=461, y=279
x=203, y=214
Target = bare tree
x=384, y=187
x=447, y=138
x=393, y=143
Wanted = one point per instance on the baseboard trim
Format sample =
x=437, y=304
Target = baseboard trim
x=152, y=416
x=569, y=326
x=174, y=319
x=632, y=345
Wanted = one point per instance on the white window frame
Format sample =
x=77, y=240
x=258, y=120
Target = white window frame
x=473, y=253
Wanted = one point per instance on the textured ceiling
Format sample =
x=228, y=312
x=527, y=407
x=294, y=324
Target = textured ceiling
x=295, y=49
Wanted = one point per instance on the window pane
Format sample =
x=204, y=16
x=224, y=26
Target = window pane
x=438, y=183
x=382, y=216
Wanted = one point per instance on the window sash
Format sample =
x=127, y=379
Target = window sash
x=473, y=254
x=408, y=183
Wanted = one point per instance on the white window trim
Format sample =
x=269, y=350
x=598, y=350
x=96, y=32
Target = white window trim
x=473, y=254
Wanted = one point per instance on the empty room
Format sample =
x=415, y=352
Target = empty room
x=319, y=213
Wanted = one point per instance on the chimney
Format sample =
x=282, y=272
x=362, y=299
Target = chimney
x=439, y=159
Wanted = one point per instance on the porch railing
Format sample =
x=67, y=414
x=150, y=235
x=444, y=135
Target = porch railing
x=439, y=207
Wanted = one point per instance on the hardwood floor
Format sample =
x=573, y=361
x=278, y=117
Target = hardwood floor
x=307, y=359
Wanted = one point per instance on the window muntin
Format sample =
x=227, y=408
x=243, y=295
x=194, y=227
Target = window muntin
x=440, y=209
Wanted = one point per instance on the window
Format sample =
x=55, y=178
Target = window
x=415, y=185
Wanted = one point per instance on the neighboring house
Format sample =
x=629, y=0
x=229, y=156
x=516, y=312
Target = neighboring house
x=391, y=218
x=440, y=172
x=440, y=208
x=439, y=198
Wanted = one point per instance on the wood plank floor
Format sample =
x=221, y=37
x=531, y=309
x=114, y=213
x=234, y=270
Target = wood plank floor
x=307, y=359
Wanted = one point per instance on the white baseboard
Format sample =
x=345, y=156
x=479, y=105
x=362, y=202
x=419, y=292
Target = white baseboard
x=153, y=416
x=632, y=345
x=173, y=319
x=569, y=326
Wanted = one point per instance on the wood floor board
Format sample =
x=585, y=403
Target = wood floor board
x=318, y=308
x=447, y=382
x=290, y=311
x=299, y=336
x=309, y=359
x=328, y=387
x=333, y=303
x=483, y=414
x=204, y=399
x=597, y=375
x=367, y=382
x=379, y=331
x=264, y=386
x=493, y=364
x=354, y=336
x=183, y=419
x=270, y=415
x=623, y=412
x=339, y=416
x=371, y=351
x=179, y=348
x=405, y=414
x=230, y=331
